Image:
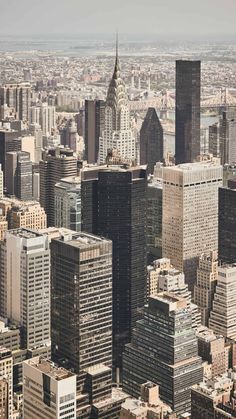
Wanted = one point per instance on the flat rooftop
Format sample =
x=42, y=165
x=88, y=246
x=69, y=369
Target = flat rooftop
x=24, y=233
x=80, y=239
x=49, y=368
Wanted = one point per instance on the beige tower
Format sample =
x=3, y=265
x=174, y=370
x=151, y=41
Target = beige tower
x=190, y=214
x=6, y=395
x=206, y=284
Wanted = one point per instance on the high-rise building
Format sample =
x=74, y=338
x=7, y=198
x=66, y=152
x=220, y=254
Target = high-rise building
x=9, y=141
x=164, y=350
x=19, y=175
x=82, y=302
x=214, y=140
x=29, y=214
x=118, y=132
x=3, y=225
x=222, y=316
x=227, y=132
x=206, y=284
x=187, y=111
x=55, y=165
x=151, y=140
x=49, y=391
x=190, y=214
x=227, y=222
x=6, y=380
x=36, y=131
x=154, y=219
x=17, y=96
x=69, y=135
x=94, y=125
x=68, y=203
x=25, y=285
x=122, y=194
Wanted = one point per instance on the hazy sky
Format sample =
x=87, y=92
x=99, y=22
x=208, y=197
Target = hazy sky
x=171, y=17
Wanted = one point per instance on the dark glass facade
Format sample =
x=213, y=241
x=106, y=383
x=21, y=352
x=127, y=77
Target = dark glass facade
x=164, y=350
x=227, y=223
x=187, y=111
x=151, y=140
x=94, y=121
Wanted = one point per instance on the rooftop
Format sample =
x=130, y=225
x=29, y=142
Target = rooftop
x=49, y=368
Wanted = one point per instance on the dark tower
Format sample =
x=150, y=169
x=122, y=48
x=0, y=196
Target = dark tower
x=151, y=140
x=94, y=120
x=122, y=197
x=227, y=223
x=187, y=111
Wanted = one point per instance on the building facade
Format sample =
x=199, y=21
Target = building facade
x=94, y=125
x=68, y=203
x=190, y=214
x=164, y=350
x=204, y=289
x=227, y=223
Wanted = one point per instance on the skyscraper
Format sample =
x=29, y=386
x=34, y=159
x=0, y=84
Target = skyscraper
x=222, y=316
x=227, y=132
x=190, y=214
x=206, y=284
x=164, y=350
x=1, y=182
x=227, y=222
x=118, y=133
x=151, y=140
x=25, y=285
x=45, y=116
x=68, y=203
x=81, y=302
x=55, y=165
x=154, y=219
x=9, y=141
x=122, y=196
x=94, y=125
x=19, y=175
x=26, y=214
x=187, y=111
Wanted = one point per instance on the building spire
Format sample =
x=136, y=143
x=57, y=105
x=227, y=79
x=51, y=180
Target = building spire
x=117, y=65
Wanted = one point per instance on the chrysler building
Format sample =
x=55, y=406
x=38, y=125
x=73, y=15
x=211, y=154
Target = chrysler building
x=118, y=132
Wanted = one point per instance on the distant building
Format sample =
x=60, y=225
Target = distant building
x=56, y=390
x=227, y=137
x=43, y=115
x=17, y=96
x=164, y=350
x=68, y=203
x=206, y=284
x=94, y=125
x=214, y=140
x=224, y=304
x=227, y=223
x=9, y=141
x=190, y=214
x=187, y=111
x=1, y=182
x=151, y=140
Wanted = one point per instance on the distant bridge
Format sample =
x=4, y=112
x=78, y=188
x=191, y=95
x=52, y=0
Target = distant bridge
x=166, y=101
